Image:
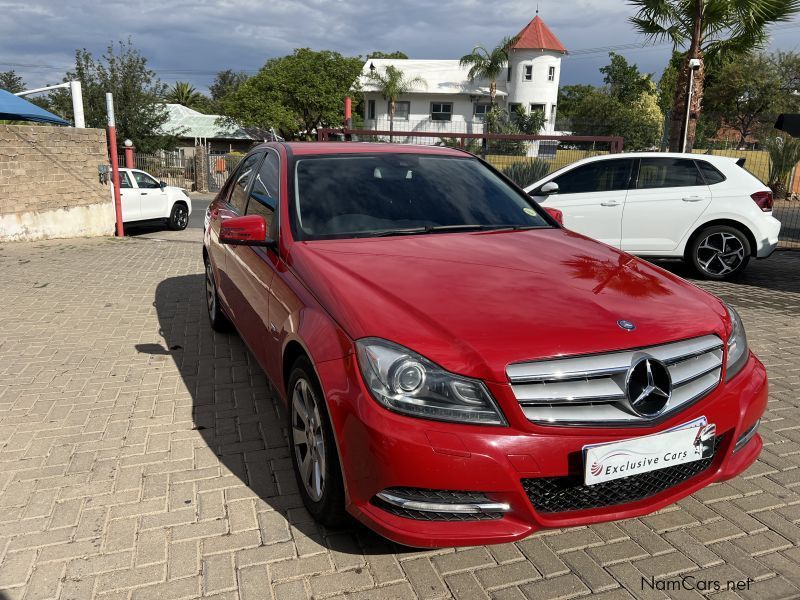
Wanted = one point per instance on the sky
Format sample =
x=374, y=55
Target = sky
x=192, y=40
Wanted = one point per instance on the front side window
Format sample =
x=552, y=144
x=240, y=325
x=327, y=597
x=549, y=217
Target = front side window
x=668, y=172
x=264, y=191
x=402, y=194
x=441, y=111
x=599, y=176
x=143, y=180
x=402, y=110
x=124, y=180
x=242, y=177
x=528, y=73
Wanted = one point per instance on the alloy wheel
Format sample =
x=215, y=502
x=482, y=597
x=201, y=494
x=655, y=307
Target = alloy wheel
x=720, y=253
x=211, y=291
x=308, y=439
x=181, y=217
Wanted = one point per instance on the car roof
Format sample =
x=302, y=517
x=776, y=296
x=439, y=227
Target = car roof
x=311, y=148
x=711, y=157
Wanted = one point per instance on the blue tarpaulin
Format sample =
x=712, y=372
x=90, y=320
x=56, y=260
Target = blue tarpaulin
x=14, y=108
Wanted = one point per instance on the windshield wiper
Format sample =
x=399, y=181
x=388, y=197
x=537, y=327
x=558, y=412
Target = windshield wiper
x=447, y=228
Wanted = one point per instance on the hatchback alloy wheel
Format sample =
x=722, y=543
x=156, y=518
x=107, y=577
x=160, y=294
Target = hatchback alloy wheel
x=720, y=254
x=308, y=439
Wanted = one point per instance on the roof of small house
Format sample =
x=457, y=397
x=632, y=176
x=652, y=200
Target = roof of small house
x=537, y=36
x=185, y=122
x=441, y=76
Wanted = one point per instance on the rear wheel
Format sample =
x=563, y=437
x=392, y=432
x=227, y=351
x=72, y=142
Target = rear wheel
x=179, y=218
x=313, y=449
x=720, y=252
x=219, y=322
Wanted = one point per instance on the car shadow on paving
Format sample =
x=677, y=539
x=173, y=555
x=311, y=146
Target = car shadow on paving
x=240, y=417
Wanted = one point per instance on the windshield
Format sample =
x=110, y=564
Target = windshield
x=402, y=194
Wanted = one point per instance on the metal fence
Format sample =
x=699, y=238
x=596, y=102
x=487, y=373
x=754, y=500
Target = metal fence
x=220, y=165
x=173, y=168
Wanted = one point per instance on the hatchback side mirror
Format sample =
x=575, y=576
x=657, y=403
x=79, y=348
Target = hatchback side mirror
x=551, y=187
x=250, y=230
x=162, y=184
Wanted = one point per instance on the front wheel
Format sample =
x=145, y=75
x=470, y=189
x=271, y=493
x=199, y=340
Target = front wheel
x=720, y=252
x=313, y=449
x=179, y=218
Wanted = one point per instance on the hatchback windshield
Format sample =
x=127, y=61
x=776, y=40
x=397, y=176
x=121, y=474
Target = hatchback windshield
x=403, y=194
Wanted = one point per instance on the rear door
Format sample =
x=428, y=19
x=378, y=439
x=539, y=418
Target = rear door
x=129, y=196
x=669, y=195
x=592, y=197
x=152, y=198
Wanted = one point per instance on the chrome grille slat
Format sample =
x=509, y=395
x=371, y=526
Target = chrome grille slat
x=590, y=390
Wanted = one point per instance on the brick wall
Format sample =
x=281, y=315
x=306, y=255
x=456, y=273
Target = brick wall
x=49, y=184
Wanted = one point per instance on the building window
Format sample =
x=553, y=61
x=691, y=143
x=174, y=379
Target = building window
x=551, y=74
x=528, y=73
x=513, y=110
x=508, y=73
x=553, y=115
x=480, y=109
x=402, y=110
x=539, y=107
x=370, y=109
x=441, y=111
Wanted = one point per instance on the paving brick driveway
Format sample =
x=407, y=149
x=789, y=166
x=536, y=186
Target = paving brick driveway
x=142, y=457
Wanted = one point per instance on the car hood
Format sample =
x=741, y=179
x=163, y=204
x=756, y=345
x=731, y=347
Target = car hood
x=474, y=302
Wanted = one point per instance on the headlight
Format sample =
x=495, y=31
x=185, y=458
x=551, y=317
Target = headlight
x=737, y=345
x=405, y=382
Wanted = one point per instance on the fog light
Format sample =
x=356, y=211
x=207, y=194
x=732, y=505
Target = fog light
x=746, y=436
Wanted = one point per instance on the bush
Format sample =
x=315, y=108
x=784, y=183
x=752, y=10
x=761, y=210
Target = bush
x=472, y=145
x=525, y=172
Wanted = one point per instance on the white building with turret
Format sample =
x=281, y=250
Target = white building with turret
x=449, y=102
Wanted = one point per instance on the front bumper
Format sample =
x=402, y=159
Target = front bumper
x=382, y=450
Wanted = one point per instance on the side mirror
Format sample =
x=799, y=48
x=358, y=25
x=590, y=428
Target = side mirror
x=551, y=187
x=250, y=230
x=556, y=214
x=162, y=184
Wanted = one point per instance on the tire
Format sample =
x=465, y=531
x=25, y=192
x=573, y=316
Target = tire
x=219, y=322
x=719, y=252
x=179, y=217
x=313, y=448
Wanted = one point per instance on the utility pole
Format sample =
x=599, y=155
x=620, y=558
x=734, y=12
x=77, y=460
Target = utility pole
x=112, y=151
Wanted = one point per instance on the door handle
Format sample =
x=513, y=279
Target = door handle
x=610, y=203
x=144, y=193
x=693, y=199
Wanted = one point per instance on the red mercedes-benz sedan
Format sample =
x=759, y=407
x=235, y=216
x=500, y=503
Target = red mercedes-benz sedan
x=459, y=369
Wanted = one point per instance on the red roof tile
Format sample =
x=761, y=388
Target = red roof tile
x=537, y=36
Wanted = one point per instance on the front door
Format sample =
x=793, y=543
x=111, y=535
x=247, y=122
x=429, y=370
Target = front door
x=592, y=198
x=129, y=197
x=669, y=196
x=153, y=199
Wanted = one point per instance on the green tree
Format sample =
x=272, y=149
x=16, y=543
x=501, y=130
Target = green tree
x=624, y=81
x=11, y=82
x=784, y=154
x=488, y=64
x=186, y=94
x=295, y=94
x=706, y=30
x=395, y=54
x=570, y=98
x=392, y=84
x=225, y=83
x=138, y=106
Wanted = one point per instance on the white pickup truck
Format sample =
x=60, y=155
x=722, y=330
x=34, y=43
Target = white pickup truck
x=144, y=198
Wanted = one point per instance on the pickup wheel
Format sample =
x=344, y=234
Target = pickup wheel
x=312, y=446
x=719, y=252
x=179, y=218
x=219, y=322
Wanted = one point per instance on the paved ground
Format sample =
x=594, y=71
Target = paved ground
x=142, y=457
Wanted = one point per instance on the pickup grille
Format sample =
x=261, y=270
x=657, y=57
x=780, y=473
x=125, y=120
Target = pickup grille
x=590, y=390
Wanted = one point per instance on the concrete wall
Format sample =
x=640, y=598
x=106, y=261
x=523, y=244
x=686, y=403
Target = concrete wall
x=49, y=184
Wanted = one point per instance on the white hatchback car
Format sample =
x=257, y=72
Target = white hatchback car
x=705, y=209
x=144, y=198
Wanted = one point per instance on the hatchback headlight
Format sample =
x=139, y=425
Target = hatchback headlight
x=737, y=345
x=405, y=382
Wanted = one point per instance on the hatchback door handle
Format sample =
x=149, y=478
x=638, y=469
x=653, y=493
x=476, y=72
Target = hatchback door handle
x=144, y=193
x=610, y=203
x=693, y=199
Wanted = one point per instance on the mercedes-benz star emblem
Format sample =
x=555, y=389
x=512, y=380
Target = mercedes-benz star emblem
x=626, y=325
x=648, y=386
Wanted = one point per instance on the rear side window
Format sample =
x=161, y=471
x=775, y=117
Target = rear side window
x=242, y=178
x=667, y=173
x=600, y=176
x=710, y=172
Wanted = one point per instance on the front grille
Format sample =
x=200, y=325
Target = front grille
x=439, y=497
x=590, y=390
x=562, y=494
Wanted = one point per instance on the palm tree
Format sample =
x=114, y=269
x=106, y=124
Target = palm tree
x=705, y=30
x=392, y=84
x=184, y=93
x=485, y=64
